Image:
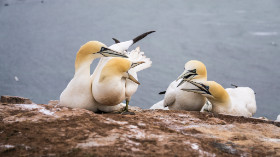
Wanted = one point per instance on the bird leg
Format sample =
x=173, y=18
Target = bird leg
x=126, y=105
x=125, y=110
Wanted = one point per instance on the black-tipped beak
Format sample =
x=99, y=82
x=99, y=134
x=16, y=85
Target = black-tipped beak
x=201, y=88
x=106, y=52
x=133, y=79
x=136, y=64
x=186, y=76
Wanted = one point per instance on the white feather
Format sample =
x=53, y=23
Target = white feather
x=242, y=100
x=278, y=118
x=137, y=56
x=159, y=105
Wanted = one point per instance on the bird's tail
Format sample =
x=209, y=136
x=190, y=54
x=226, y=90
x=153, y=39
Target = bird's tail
x=138, y=56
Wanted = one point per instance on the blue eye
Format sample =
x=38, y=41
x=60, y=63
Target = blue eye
x=193, y=71
x=102, y=49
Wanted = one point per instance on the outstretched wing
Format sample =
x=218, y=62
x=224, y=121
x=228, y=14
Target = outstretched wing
x=138, y=56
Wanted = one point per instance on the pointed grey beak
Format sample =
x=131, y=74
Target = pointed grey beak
x=133, y=79
x=136, y=64
x=186, y=76
x=106, y=52
x=201, y=89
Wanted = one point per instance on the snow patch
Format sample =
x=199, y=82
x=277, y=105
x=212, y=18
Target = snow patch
x=136, y=132
x=194, y=146
x=271, y=140
x=110, y=121
x=101, y=141
x=9, y=146
x=35, y=106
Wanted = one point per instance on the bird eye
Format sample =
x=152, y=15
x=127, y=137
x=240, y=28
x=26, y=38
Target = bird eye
x=193, y=71
x=102, y=49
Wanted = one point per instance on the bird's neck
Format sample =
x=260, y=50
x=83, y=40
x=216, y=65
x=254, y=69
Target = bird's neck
x=82, y=64
x=100, y=66
x=221, y=103
x=109, y=74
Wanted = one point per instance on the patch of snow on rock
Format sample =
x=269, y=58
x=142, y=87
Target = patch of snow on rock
x=35, y=106
x=194, y=146
x=112, y=121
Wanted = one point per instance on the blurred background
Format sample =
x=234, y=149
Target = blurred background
x=237, y=40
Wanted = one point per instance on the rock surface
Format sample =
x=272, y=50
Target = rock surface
x=52, y=130
x=5, y=99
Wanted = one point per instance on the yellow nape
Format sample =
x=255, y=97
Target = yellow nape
x=115, y=67
x=218, y=92
x=199, y=66
x=85, y=54
x=91, y=47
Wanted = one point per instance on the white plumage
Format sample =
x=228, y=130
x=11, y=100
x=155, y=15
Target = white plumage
x=278, y=118
x=78, y=93
x=242, y=100
x=111, y=88
x=159, y=105
x=245, y=97
x=234, y=101
x=134, y=56
x=176, y=99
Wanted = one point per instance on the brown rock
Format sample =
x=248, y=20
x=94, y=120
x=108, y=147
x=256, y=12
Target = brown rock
x=53, y=102
x=14, y=100
x=47, y=130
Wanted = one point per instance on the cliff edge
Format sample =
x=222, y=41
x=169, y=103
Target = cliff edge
x=29, y=129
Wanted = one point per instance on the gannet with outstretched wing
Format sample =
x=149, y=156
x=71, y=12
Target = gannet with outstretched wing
x=78, y=93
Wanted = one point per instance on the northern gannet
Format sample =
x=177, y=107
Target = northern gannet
x=110, y=90
x=175, y=98
x=78, y=93
x=119, y=47
x=234, y=101
x=278, y=118
x=134, y=56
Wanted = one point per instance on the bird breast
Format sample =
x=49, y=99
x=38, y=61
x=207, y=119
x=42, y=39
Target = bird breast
x=109, y=92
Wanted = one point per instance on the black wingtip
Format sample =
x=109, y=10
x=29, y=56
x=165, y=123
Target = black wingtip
x=234, y=85
x=116, y=40
x=162, y=92
x=142, y=36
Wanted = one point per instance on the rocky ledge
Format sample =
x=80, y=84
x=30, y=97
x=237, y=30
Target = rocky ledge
x=51, y=130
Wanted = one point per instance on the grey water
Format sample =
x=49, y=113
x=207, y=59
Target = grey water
x=238, y=40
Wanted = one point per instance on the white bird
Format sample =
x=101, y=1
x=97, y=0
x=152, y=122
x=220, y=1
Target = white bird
x=111, y=87
x=278, y=118
x=119, y=47
x=78, y=93
x=234, y=101
x=134, y=56
x=175, y=98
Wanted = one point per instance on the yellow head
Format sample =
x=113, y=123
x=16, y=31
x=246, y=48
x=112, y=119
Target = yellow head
x=198, y=67
x=94, y=49
x=193, y=70
x=117, y=67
